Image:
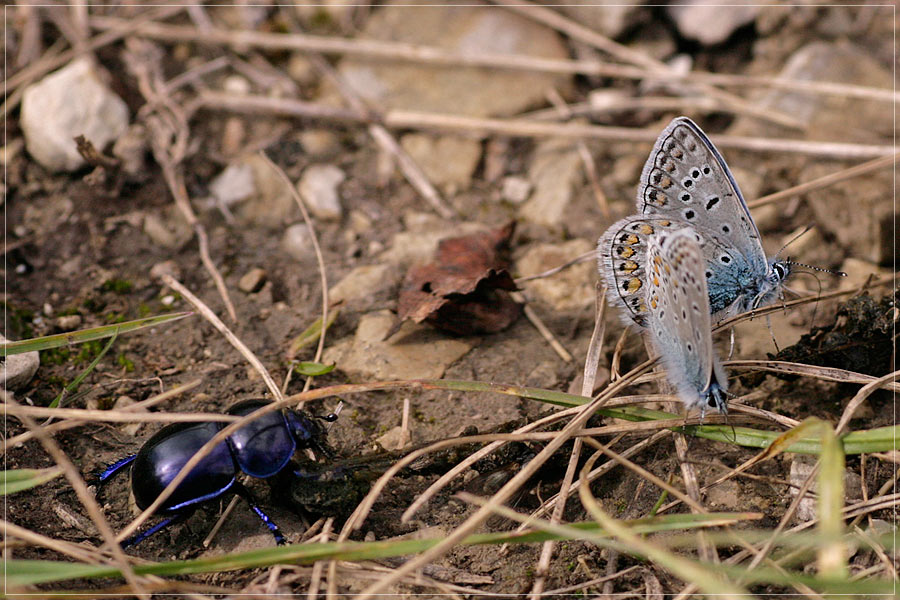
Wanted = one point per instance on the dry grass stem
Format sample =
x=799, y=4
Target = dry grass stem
x=405, y=119
x=119, y=558
x=379, y=49
x=538, y=323
x=827, y=180
x=144, y=404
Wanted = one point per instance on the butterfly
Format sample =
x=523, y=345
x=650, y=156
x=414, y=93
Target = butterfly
x=678, y=319
x=686, y=183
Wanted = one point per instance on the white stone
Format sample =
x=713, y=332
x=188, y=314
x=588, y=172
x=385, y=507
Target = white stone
x=70, y=102
x=362, y=286
x=18, y=369
x=234, y=184
x=319, y=189
x=447, y=160
x=297, y=241
x=710, y=23
x=515, y=189
x=555, y=170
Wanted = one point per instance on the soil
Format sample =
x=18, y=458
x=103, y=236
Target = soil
x=80, y=250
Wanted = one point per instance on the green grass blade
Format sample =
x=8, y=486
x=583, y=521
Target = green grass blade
x=312, y=369
x=882, y=439
x=17, y=480
x=29, y=572
x=72, y=387
x=311, y=334
x=832, y=555
x=86, y=335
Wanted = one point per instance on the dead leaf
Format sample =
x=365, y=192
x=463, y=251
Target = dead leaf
x=466, y=289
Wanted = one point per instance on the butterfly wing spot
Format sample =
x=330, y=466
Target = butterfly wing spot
x=724, y=259
x=695, y=173
x=685, y=197
x=712, y=202
x=689, y=214
x=629, y=266
x=706, y=170
x=726, y=229
x=631, y=285
x=687, y=183
x=665, y=182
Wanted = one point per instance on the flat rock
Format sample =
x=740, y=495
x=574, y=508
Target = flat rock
x=413, y=352
x=573, y=288
x=459, y=90
x=447, y=160
x=828, y=117
x=70, y=102
x=18, y=369
x=167, y=228
x=708, y=23
x=365, y=286
x=318, y=186
x=515, y=189
x=235, y=184
x=555, y=170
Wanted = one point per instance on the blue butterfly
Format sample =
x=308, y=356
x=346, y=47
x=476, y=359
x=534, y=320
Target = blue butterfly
x=686, y=183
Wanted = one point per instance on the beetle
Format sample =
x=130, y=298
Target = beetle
x=261, y=449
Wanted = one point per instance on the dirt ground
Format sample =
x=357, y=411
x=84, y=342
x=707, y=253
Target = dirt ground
x=81, y=245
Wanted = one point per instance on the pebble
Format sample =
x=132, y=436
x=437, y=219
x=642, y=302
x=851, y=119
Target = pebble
x=168, y=229
x=18, y=369
x=319, y=143
x=252, y=281
x=121, y=402
x=447, y=160
x=272, y=204
x=68, y=322
x=710, y=24
x=70, y=102
x=515, y=189
x=234, y=184
x=297, y=242
x=319, y=189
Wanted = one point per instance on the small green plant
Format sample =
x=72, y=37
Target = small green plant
x=118, y=286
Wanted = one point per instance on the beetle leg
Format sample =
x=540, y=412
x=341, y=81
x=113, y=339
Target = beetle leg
x=244, y=493
x=140, y=537
x=114, y=468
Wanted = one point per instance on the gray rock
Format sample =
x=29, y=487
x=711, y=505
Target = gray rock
x=447, y=160
x=413, y=352
x=364, y=286
x=710, y=24
x=297, y=242
x=828, y=117
x=233, y=185
x=168, y=229
x=252, y=280
x=18, y=369
x=570, y=289
x=458, y=90
x=319, y=189
x=273, y=204
x=70, y=102
x=515, y=189
x=555, y=170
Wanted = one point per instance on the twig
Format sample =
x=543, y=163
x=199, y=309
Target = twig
x=827, y=180
x=320, y=260
x=84, y=496
x=586, y=35
x=541, y=327
x=413, y=173
x=375, y=49
x=403, y=119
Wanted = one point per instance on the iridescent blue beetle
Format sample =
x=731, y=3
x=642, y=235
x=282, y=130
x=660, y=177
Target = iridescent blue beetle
x=262, y=448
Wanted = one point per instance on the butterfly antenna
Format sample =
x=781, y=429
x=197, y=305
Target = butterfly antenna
x=819, y=269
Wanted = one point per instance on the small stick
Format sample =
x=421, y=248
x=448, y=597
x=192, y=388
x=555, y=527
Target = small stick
x=827, y=180
x=539, y=325
x=404, y=119
x=400, y=51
